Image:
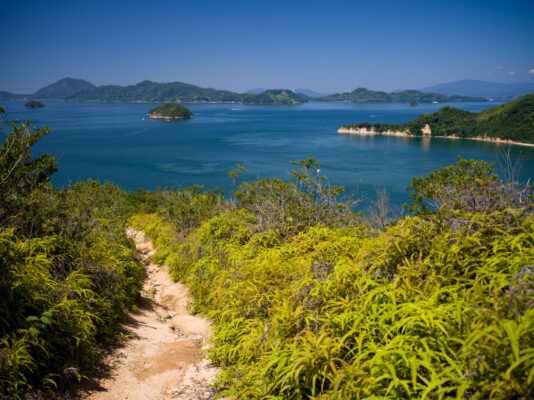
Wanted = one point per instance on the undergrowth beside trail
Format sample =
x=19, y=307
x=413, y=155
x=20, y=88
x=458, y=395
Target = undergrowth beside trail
x=437, y=305
x=68, y=271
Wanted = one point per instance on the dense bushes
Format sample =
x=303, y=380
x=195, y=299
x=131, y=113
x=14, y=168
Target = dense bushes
x=438, y=305
x=67, y=268
x=308, y=299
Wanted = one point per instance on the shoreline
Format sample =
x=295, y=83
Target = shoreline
x=156, y=116
x=371, y=132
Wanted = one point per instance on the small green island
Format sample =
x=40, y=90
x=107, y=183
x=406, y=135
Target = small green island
x=170, y=111
x=511, y=122
x=34, y=104
x=276, y=97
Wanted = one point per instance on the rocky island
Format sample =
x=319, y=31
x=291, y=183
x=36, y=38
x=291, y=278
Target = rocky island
x=170, y=111
x=511, y=122
x=34, y=104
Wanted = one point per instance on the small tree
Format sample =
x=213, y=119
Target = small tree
x=20, y=173
x=468, y=185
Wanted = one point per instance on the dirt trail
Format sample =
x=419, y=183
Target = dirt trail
x=164, y=359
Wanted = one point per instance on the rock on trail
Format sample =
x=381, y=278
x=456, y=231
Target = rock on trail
x=164, y=359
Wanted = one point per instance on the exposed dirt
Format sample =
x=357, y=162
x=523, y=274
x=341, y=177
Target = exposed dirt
x=164, y=359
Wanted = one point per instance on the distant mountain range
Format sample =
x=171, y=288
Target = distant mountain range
x=362, y=95
x=70, y=89
x=491, y=90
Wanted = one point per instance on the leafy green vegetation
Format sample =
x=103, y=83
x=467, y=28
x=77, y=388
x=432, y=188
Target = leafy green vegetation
x=310, y=302
x=68, y=271
x=275, y=97
x=510, y=121
x=309, y=299
x=170, y=110
x=362, y=95
x=34, y=104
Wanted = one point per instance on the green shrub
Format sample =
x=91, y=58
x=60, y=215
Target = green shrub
x=434, y=306
x=68, y=271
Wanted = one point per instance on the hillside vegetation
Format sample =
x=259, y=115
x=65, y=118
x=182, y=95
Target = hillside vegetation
x=154, y=91
x=510, y=121
x=309, y=299
x=63, y=88
x=362, y=95
x=275, y=97
x=68, y=271
x=310, y=302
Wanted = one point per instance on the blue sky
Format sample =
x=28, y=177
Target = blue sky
x=324, y=45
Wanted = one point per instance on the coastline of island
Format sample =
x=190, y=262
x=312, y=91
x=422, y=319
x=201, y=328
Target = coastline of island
x=508, y=123
x=405, y=134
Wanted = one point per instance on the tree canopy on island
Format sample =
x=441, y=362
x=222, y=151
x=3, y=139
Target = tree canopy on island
x=510, y=121
x=170, y=110
x=34, y=104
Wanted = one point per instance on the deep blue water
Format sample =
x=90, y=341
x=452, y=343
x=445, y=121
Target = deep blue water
x=116, y=142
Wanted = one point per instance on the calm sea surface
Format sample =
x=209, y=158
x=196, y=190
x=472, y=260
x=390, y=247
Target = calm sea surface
x=116, y=142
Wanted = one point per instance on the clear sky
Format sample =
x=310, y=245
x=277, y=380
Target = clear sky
x=328, y=46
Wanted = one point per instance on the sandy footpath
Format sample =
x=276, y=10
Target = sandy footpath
x=165, y=357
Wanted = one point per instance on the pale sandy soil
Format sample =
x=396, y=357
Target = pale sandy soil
x=165, y=357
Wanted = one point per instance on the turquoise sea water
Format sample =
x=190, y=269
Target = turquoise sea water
x=117, y=142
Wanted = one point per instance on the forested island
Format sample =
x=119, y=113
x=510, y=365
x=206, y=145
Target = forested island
x=170, y=111
x=275, y=97
x=147, y=91
x=308, y=298
x=34, y=104
x=512, y=121
x=362, y=95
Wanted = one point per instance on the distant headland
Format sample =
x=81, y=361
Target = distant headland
x=511, y=122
